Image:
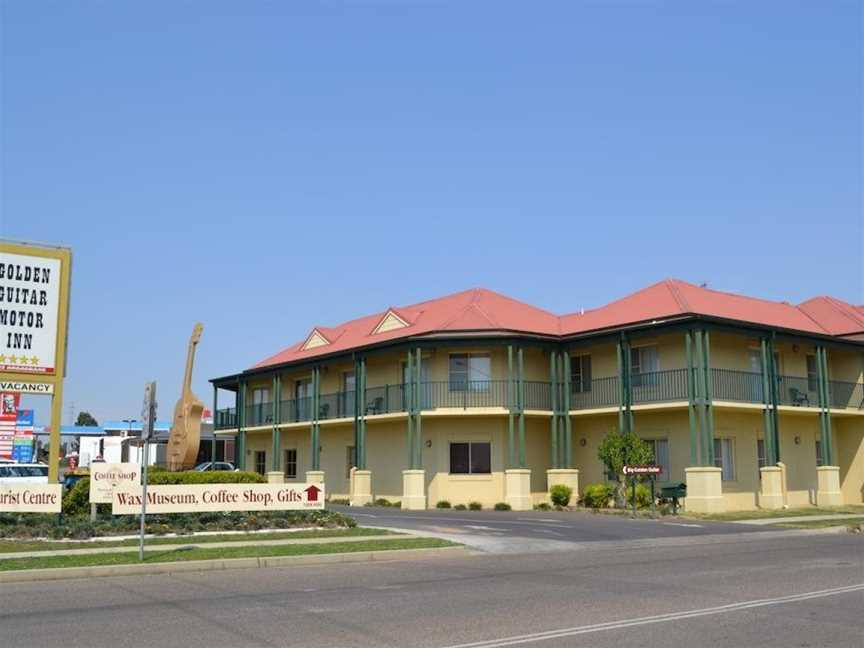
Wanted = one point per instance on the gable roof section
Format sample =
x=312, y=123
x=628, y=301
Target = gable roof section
x=390, y=322
x=834, y=315
x=476, y=309
x=479, y=310
x=673, y=297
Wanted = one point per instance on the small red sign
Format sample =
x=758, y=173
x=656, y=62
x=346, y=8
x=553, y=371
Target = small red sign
x=312, y=493
x=643, y=470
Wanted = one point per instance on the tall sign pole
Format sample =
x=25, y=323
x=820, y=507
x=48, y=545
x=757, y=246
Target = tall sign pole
x=35, y=280
x=148, y=416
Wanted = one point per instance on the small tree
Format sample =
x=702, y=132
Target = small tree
x=618, y=450
x=85, y=418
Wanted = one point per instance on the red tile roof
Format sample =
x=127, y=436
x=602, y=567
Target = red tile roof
x=478, y=310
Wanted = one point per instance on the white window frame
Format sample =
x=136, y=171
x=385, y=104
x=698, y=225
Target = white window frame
x=472, y=383
x=666, y=474
x=255, y=455
x=581, y=384
x=350, y=460
x=470, y=467
x=287, y=474
x=725, y=460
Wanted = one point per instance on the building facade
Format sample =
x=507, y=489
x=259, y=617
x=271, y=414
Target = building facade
x=479, y=397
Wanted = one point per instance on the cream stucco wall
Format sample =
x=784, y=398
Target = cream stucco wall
x=849, y=449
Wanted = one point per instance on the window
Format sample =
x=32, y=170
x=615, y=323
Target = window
x=660, y=448
x=350, y=460
x=643, y=360
x=761, y=460
x=580, y=373
x=346, y=403
x=470, y=372
x=812, y=374
x=724, y=458
x=303, y=399
x=262, y=411
x=291, y=463
x=819, y=460
x=260, y=462
x=470, y=458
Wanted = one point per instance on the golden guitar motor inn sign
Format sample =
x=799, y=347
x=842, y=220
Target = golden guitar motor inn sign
x=34, y=312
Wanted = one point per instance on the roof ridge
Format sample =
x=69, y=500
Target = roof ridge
x=679, y=298
x=839, y=306
x=615, y=301
x=476, y=306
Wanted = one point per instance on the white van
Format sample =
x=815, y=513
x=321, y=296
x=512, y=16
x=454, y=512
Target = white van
x=15, y=474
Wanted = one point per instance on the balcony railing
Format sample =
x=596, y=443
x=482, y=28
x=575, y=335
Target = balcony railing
x=659, y=386
x=652, y=387
x=593, y=394
x=844, y=395
x=738, y=386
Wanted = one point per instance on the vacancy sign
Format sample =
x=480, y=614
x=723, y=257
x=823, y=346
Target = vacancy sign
x=29, y=311
x=106, y=477
x=32, y=498
x=194, y=498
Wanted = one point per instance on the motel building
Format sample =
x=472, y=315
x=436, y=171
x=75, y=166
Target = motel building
x=478, y=397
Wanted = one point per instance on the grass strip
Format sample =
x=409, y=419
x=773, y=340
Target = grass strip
x=13, y=546
x=181, y=555
x=778, y=513
x=820, y=524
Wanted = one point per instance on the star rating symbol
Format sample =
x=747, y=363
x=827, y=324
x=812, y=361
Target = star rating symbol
x=13, y=360
x=34, y=360
x=2, y=359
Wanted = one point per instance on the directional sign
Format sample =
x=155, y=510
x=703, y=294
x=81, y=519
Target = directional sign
x=148, y=412
x=196, y=498
x=643, y=470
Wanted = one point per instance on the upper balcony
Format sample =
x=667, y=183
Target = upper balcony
x=600, y=393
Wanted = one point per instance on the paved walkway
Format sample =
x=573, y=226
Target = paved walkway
x=190, y=545
x=802, y=518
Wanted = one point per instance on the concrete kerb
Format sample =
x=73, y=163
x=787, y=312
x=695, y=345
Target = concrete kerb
x=104, y=571
x=88, y=551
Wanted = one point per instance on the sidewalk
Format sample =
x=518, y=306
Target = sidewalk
x=192, y=545
x=801, y=518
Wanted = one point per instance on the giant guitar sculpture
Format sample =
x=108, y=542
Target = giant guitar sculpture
x=186, y=429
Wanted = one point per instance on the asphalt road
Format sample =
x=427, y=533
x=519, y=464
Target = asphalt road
x=748, y=590
x=516, y=532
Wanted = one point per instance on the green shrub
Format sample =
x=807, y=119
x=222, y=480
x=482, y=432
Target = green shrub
x=76, y=501
x=56, y=527
x=597, y=495
x=163, y=477
x=475, y=506
x=443, y=504
x=382, y=501
x=503, y=506
x=542, y=506
x=560, y=494
x=460, y=507
x=340, y=501
x=643, y=496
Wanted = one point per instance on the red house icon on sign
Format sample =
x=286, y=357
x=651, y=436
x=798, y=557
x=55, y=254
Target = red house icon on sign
x=312, y=493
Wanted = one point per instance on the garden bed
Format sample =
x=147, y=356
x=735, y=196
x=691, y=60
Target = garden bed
x=26, y=526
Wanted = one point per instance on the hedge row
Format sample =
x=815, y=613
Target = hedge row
x=56, y=527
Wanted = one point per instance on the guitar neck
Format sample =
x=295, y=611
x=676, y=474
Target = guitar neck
x=187, y=378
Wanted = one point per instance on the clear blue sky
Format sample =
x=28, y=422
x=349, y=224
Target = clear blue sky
x=267, y=166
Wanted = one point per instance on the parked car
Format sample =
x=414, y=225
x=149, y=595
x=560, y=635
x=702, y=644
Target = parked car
x=209, y=465
x=72, y=478
x=15, y=474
